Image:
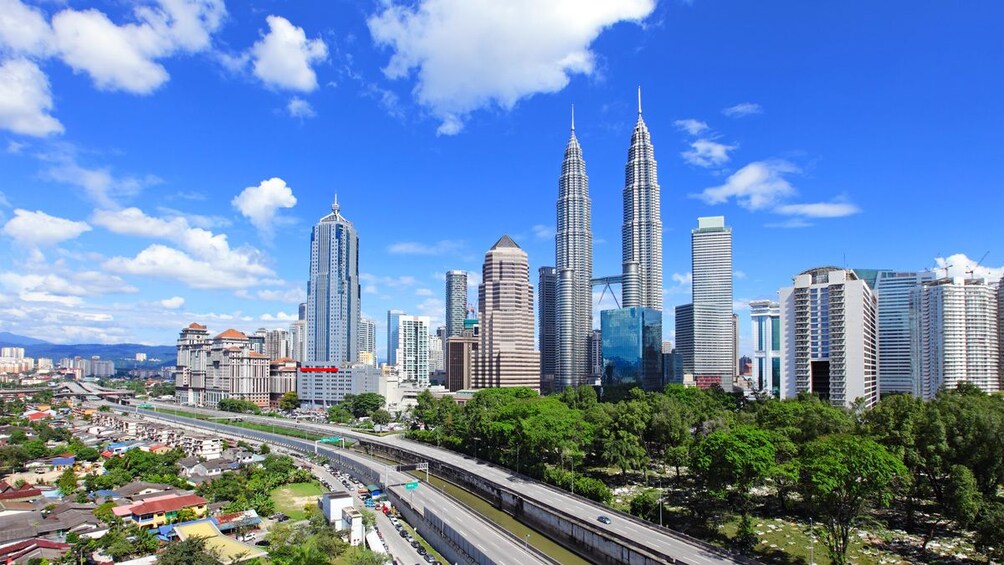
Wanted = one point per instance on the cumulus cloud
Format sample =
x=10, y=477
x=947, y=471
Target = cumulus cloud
x=743, y=109
x=959, y=265
x=38, y=229
x=67, y=290
x=424, y=292
x=208, y=260
x=284, y=57
x=415, y=248
x=470, y=54
x=691, y=126
x=706, y=153
x=541, y=231
x=295, y=295
x=100, y=184
x=259, y=204
x=23, y=29
x=25, y=99
x=125, y=57
x=300, y=108
x=819, y=209
x=278, y=317
x=758, y=185
x=172, y=303
x=683, y=278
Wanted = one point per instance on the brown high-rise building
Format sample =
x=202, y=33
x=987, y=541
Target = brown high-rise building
x=506, y=356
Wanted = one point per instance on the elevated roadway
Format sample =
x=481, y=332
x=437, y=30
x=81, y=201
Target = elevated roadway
x=625, y=539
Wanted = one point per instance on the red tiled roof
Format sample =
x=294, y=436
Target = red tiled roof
x=11, y=552
x=256, y=355
x=282, y=360
x=231, y=334
x=38, y=416
x=16, y=494
x=194, y=326
x=167, y=504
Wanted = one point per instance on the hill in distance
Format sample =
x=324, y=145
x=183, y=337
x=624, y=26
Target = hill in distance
x=124, y=354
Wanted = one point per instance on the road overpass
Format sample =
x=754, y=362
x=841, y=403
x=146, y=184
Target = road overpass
x=567, y=518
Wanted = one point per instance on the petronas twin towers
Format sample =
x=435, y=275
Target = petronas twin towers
x=641, y=234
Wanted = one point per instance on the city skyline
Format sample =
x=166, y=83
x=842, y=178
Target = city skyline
x=123, y=188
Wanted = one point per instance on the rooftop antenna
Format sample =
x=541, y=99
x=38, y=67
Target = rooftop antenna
x=573, y=117
x=639, y=100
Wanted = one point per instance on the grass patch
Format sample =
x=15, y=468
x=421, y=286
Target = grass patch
x=290, y=499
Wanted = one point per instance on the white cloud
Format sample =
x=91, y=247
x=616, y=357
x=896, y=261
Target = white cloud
x=67, y=290
x=471, y=54
x=261, y=203
x=819, y=209
x=294, y=295
x=38, y=229
x=25, y=99
x=105, y=189
x=278, y=317
x=706, y=153
x=283, y=58
x=959, y=265
x=23, y=29
x=758, y=185
x=683, y=279
x=125, y=57
x=743, y=109
x=414, y=248
x=393, y=282
x=300, y=108
x=172, y=303
x=541, y=231
x=424, y=292
x=793, y=223
x=210, y=262
x=691, y=126
x=739, y=274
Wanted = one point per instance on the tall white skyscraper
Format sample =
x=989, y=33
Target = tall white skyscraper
x=714, y=340
x=393, y=317
x=573, y=246
x=298, y=341
x=505, y=300
x=367, y=336
x=333, y=294
x=829, y=341
x=641, y=233
x=766, y=318
x=412, y=348
x=896, y=367
x=436, y=359
x=956, y=326
x=1000, y=328
x=456, y=302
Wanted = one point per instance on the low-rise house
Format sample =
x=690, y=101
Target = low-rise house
x=23, y=493
x=214, y=468
x=162, y=510
x=204, y=446
x=141, y=488
x=33, y=549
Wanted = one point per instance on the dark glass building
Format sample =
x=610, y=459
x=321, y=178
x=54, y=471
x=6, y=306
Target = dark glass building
x=632, y=348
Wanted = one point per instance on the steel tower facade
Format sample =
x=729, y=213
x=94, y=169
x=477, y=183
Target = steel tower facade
x=573, y=268
x=333, y=293
x=641, y=234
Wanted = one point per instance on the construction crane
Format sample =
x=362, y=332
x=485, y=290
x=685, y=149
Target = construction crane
x=935, y=268
x=972, y=268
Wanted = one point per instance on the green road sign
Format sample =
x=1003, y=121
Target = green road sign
x=411, y=486
x=332, y=439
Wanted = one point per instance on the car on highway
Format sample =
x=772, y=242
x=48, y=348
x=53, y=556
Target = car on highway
x=603, y=519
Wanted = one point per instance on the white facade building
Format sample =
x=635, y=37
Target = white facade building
x=829, y=341
x=412, y=348
x=297, y=336
x=766, y=318
x=956, y=324
x=323, y=384
x=714, y=339
x=367, y=339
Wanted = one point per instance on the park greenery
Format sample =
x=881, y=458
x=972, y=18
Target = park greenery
x=238, y=405
x=354, y=406
x=932, y=468
x=251, y=487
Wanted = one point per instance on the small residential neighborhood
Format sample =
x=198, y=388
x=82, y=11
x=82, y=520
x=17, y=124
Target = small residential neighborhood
x=88, y=482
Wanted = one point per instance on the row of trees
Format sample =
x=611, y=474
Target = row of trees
x=251, y=487
x=365, y=405
x=799, y=457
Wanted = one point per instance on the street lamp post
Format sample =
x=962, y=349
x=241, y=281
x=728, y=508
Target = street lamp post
x=526, y=543
x=476, y=439
x=812, y=544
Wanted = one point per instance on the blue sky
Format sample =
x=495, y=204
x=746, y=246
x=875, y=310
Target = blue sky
x=163, y=160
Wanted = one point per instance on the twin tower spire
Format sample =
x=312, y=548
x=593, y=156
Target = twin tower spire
x=641, y=234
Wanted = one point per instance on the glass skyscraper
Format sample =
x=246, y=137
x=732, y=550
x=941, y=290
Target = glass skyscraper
x=632, y=348
x=456, y=302
x=896, y=369
x=333, y=293
x=714, y=339
x=766, y=318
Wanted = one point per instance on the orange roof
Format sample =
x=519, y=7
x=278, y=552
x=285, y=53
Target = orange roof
x=231, y=334
x=194, y=326
x=167, y=504
x=282, y=360
x=256, y=355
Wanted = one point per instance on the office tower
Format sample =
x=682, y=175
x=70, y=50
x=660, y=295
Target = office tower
x=462, y=358
x=641, y=234
x=596, y=356
x=298, y=341
x=828, y=337
x=456, y=302
x=276, y=342
x=547, y=330
x=505, y=300
x=302, y=311
x=735, y=345
x=896, y=367
x=393, y=317
x=766, y=318
x=1000, y=327
x=435, y=353
x=956, y=325
x=632, y=348
x=573, y=250
x=685, y=343
x=190, y=369
x=367, y=336
x=412, y=348
x=333, y=293
x=714, y=342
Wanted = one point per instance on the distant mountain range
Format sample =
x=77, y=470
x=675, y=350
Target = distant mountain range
x=124, y=354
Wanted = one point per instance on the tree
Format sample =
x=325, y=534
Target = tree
x=646, y=504
x=425, y=411
x=339, y=415
x=623, y=449
x=238, y=405
x=289, y=401
x=67, y=482
x=990, y=532
x=380, y=417
x=188, y=551
x=840, y=476
x=366, y=557
x=364, y=404
x=732, y=463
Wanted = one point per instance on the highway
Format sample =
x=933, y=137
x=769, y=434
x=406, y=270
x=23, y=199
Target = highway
x=644, y=534
x=498, y=547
